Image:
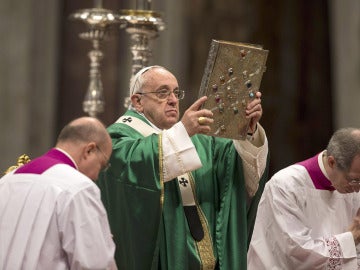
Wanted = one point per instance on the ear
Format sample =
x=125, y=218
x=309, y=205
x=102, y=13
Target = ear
x=136, y=102
x=88, y=149
x=331, y=161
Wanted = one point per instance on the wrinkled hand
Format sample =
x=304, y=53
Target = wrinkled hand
x=191, y=116
x=254, y=112
x=355, y=227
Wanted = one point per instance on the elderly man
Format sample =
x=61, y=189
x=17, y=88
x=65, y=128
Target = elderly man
x=308, y=216
x=177, y=198
x=51, y=214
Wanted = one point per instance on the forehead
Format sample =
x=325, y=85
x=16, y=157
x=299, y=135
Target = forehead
x=355, y=165
x=157, y=77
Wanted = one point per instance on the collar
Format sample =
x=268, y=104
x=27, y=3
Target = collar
x=316, y=169
x=66, y=154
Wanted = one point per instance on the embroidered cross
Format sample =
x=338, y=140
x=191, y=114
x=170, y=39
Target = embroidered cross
x=183, y=181
x=129, y=119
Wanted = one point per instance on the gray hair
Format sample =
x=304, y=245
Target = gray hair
x=137, y=82
x=344, y=146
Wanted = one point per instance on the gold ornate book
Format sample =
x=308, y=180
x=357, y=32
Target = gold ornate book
x=232, y=76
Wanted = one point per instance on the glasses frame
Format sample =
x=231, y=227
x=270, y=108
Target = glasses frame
x=107, y=164
x=352, y=181
x=165, y=93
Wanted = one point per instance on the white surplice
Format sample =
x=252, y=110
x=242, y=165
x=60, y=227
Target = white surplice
x=301, y=227
x=53, y=221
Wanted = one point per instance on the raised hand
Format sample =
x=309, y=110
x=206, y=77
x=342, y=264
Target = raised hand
x=196, y=120
x=254, y=112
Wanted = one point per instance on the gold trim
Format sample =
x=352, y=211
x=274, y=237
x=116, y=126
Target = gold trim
x=205, y=246
x=140, y=12
x=161, y=171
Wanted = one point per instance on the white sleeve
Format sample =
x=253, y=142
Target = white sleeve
x=253, y=153
x=179, y=153
x=85, y=231
x=283, y=239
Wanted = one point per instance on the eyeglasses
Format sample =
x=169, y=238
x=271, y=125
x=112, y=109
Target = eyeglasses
x=352, y=181
x=107, y=165
x=165, y=93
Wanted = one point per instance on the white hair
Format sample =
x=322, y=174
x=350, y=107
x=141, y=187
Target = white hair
x=136, y=81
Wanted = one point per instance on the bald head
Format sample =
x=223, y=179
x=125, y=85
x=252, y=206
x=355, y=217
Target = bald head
x=83, y=130
x=87, y=141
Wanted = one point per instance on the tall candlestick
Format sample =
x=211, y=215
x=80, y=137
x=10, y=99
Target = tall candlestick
x=143, y=4
x=98, y=3
x=98, y=20
x=143, y=26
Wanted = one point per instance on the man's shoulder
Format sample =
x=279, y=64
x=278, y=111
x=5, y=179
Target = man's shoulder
x=119, y=129
x=56, y=182
x=290, y=177
x=64, y=177
x=132, y=125
x=124, y=120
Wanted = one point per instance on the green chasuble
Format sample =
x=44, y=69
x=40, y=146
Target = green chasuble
x=147, y=217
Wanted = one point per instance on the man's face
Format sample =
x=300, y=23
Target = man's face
x=163, y=113
x=347, y=182
x=95, y=158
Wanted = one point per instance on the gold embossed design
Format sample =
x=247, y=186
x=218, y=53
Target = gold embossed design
x=161, y=171
x=161, y=174
x=205, y=246
x=23, y=159
x=231, y=78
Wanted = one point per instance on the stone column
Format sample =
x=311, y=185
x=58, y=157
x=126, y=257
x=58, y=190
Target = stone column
x=28, y=81
x=345, y=34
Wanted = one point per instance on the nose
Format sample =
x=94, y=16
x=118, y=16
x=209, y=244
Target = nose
x=172, y=99
x=172, y=95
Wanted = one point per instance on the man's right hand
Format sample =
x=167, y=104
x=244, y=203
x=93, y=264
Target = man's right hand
x=191, y=117
x=355, y=227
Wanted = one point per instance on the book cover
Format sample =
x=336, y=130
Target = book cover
x=231, y=78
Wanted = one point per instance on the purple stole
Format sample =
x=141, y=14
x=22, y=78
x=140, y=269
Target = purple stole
x=319, y=179
x=46, y=161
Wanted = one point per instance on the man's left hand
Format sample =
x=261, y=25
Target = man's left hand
x=254, y=112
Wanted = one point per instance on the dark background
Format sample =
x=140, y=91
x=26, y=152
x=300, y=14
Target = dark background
x=296, y=87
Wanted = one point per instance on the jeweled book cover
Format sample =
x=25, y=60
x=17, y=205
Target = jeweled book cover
x=232, y=76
